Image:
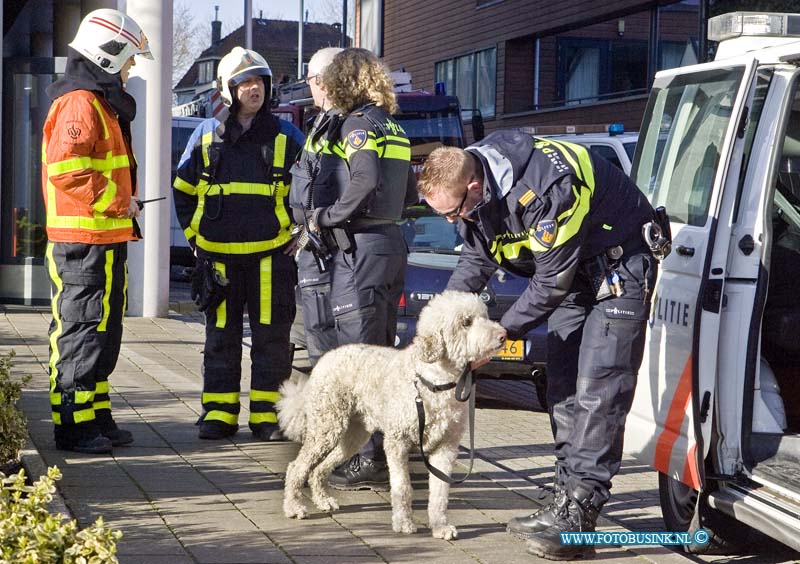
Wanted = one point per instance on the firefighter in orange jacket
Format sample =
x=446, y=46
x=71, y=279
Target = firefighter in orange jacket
x=89, y=187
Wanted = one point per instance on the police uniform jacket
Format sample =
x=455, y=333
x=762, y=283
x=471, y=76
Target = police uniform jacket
x=382, y=183
x=320, y=174
x=231, y=186
x=548, y=205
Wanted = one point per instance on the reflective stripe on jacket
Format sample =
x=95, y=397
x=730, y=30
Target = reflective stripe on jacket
x=230, y=196
x=87, y=177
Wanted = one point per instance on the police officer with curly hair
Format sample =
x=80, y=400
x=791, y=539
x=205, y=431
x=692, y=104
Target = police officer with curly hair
x=368, y=267
x=231, y=200
x=571, y=222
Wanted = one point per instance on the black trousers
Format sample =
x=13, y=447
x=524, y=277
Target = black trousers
x=315, y=300
x=265, y=286
x=89, y=284
x=594, y=350
x=366, y=286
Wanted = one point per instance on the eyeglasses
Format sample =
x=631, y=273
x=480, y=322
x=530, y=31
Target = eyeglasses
x=457, y=212
x=314, y=76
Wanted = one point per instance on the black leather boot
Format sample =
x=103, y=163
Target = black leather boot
x=109, y=429
x=575, y=511
x=267, y=432
x=360, y=473
x=526, y=526
x=85, y=438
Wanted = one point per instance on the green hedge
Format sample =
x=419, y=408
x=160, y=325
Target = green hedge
x=13, y=426
x=30, y=534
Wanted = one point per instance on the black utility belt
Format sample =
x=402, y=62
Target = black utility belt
x=601, y=270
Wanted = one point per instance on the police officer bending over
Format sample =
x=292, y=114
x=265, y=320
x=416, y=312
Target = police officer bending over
x=368, y=268
x=572, y=223
x=230, y=192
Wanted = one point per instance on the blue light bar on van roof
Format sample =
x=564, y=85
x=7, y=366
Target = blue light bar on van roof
x=616, y=128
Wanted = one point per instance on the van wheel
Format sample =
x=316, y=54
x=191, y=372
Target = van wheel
x=678, y=504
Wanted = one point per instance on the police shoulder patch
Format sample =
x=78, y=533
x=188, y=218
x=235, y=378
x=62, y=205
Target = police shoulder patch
x=357, y=138
x=545, y=232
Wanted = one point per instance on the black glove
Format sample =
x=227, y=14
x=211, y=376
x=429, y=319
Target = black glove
x=209, y=286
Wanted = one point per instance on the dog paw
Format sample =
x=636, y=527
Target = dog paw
x=327, y=504
x=297, y=511
x=447, y=532
x=404, y=526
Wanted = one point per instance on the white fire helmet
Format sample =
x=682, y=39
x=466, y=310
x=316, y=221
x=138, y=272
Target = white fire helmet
x=236, y=67
x=109, y=38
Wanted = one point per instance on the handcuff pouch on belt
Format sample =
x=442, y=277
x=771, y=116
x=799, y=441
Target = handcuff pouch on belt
x=209, y=286
x=657, y=234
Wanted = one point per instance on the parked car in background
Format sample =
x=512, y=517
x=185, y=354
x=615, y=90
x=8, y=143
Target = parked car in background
x=434, y=247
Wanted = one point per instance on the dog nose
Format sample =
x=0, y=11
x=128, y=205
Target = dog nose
x=502, y=336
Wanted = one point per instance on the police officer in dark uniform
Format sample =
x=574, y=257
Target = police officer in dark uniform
x=230, y=198
x=368, y=268
x=571, y=222
x=318, y=178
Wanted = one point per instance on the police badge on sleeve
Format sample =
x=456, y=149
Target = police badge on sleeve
x=545, y=232
x=357, y=138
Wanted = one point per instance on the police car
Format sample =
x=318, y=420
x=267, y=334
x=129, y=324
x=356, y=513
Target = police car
x=717, y=406
x=610, y=141
x=617, y=145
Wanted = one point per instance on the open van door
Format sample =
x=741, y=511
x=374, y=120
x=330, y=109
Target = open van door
x=689, y=149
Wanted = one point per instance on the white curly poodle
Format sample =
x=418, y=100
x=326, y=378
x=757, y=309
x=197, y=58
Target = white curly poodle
x=356, y=390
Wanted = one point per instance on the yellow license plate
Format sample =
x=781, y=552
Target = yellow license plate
x=512, y=350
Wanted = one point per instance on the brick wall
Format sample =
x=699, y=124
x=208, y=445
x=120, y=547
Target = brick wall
x=420, y=33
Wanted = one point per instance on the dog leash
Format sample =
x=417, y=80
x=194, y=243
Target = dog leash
x=464, y=382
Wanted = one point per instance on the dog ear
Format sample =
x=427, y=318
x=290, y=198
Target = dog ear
x=429, y=348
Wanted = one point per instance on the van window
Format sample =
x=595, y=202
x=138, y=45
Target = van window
x=687, y=121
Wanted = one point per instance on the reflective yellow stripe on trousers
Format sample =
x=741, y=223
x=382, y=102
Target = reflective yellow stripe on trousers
x=222, y=309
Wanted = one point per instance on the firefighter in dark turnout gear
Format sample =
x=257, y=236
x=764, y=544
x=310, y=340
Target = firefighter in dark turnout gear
x=318, y=179
x=89, y=188
x=230, y=197
x=572, y=223
x=368, y=268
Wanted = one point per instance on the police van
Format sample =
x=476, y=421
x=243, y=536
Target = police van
x=717, y=405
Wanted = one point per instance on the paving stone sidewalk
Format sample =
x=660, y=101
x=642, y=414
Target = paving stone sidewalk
x=181, y=500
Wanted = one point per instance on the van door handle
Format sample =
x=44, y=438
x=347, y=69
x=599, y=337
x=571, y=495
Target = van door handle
x=685, y=251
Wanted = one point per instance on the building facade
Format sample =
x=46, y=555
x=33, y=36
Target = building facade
x=529, y=63
x=36, y=34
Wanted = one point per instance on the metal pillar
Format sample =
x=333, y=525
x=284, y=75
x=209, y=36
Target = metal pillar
x=300, y=43
x=343, y=42
x=248, y=24
x=148, y=260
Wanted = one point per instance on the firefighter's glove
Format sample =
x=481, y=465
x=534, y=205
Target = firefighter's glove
x=209, y=286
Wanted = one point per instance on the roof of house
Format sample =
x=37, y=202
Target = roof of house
x=276, y=40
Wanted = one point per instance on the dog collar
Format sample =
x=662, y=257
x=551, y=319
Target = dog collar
x=436, y=387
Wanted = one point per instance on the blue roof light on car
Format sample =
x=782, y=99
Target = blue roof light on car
x=616, y=129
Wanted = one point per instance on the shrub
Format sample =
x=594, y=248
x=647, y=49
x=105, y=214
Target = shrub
x=13, y=426
x=30, y=534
